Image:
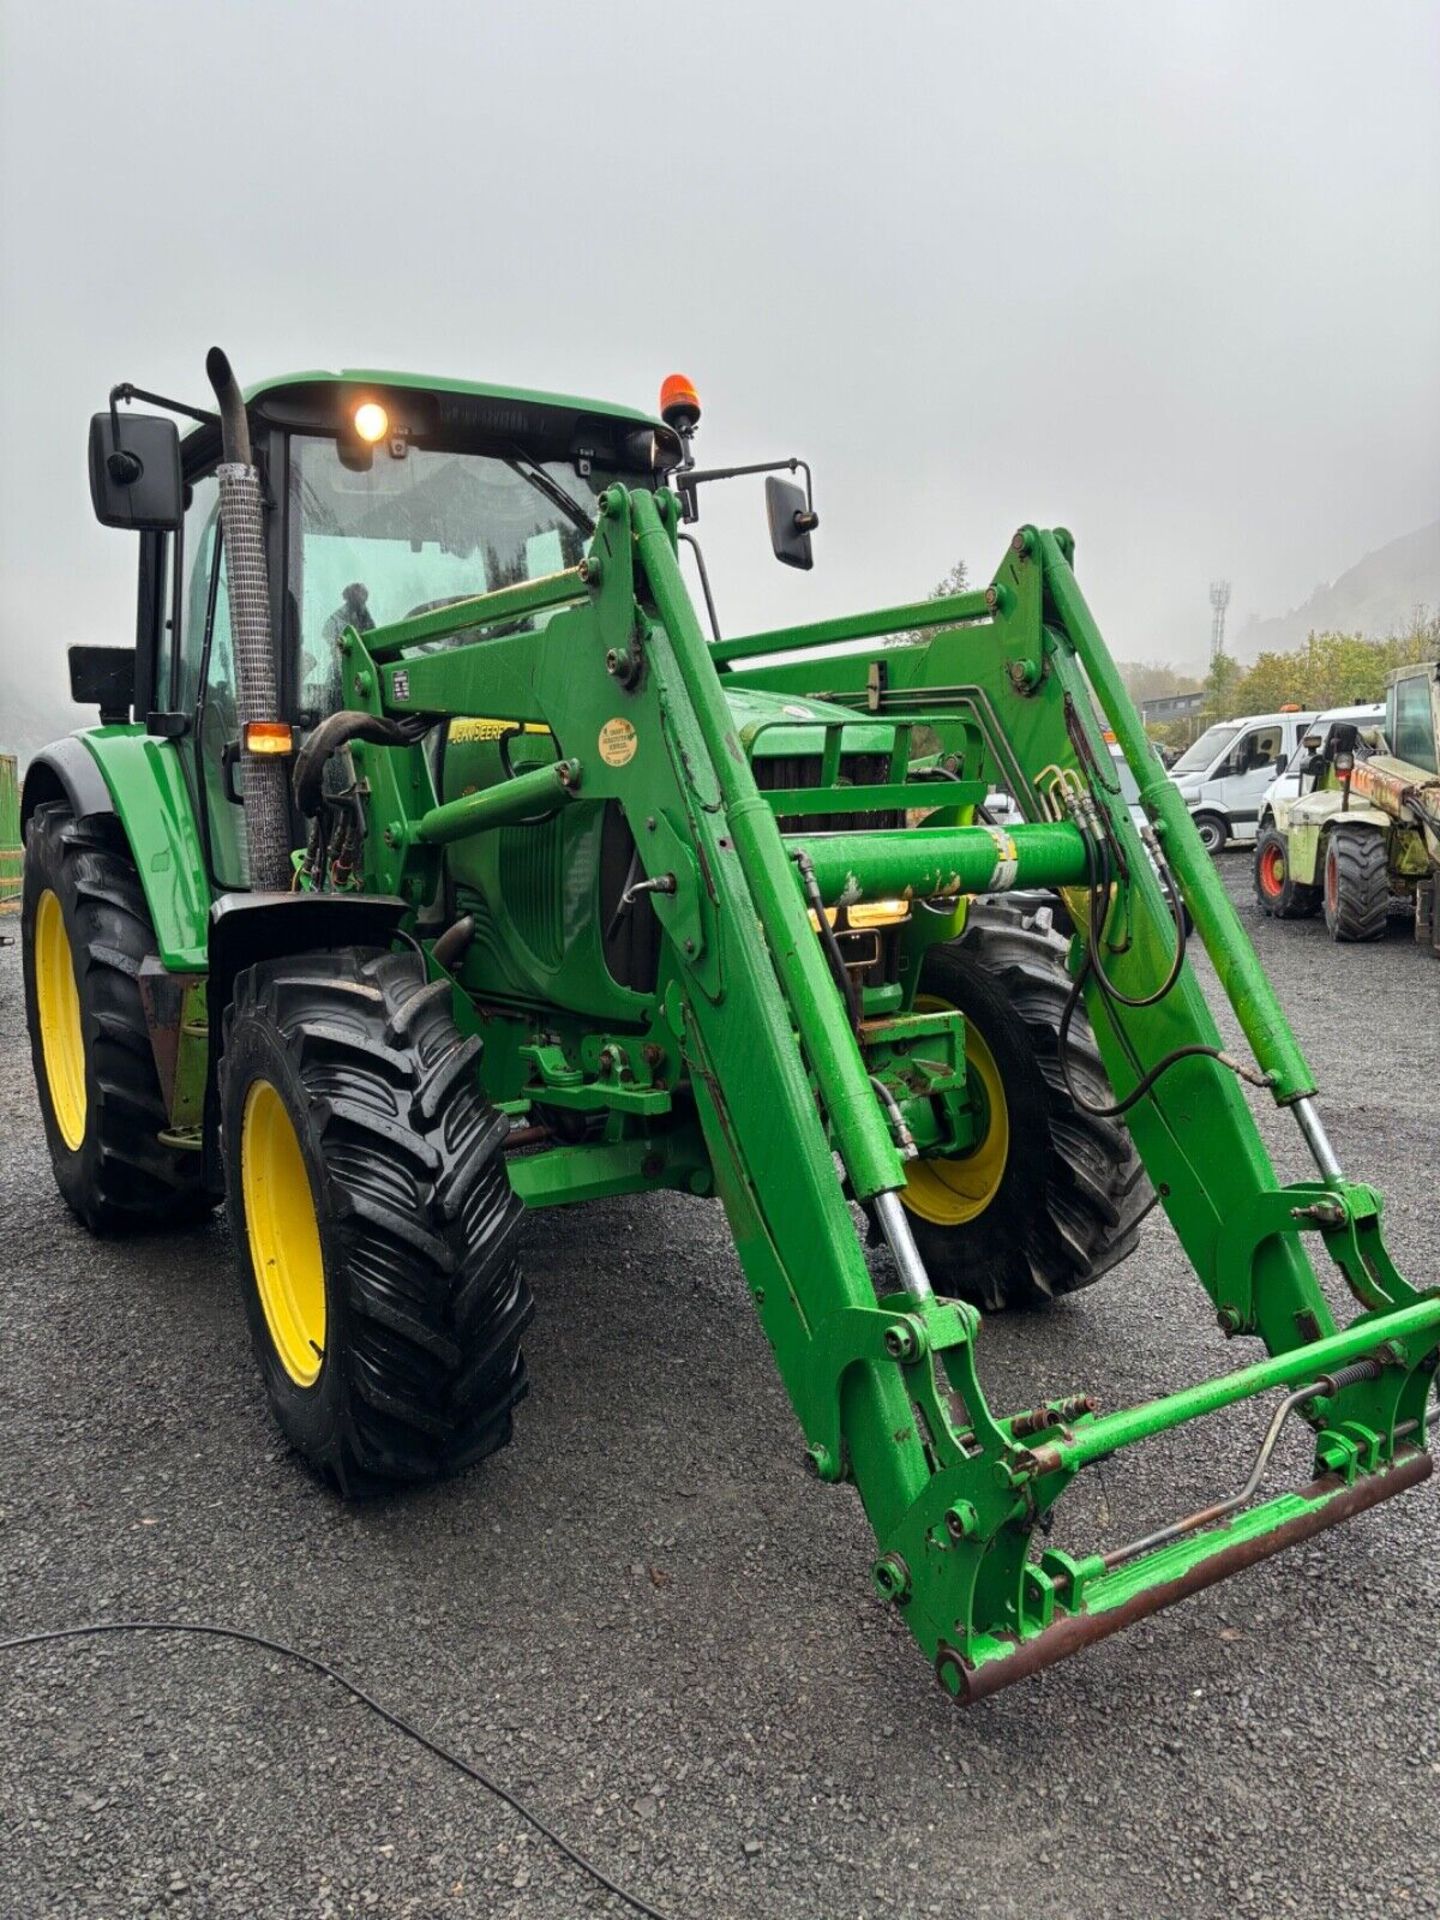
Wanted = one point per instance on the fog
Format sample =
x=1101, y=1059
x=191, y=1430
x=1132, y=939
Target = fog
x=1168, y=275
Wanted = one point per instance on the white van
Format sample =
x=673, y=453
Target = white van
x=1289, y=786
x=1223, y=777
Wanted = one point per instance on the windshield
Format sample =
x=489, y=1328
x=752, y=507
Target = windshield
x=413, y=533
x=1210, y=744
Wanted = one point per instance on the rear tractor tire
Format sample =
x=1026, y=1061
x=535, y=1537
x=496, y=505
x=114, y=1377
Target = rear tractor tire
x=86, y=933
x=1051, y=1197
x=1276, y=888
x=375, y=1225
x=1357, y=883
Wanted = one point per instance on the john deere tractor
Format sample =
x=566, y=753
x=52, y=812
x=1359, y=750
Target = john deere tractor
x=1364, y=835
x=433, y=858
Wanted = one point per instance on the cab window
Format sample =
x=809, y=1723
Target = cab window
x=1411, y=724
x=1257, y=749
x=417, y=528
x=202, y=520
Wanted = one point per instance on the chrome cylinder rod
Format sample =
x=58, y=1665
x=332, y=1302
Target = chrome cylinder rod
x=901, y=1242
x=1310, y=1124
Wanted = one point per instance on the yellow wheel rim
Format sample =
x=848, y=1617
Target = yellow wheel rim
x=283, y=1232
x=950, y=1191
x=62, y=1040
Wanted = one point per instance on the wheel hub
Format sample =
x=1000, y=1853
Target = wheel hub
x=62, y=1038
x=283, y=1233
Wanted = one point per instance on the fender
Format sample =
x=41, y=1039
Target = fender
x=249, y=927
x=143, y=783
x=64, y=771
x=246, y=928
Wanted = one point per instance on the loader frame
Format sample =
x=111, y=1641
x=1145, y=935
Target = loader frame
x=752, y=1077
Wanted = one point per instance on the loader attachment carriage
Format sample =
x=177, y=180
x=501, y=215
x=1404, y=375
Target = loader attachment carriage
x=568, y=872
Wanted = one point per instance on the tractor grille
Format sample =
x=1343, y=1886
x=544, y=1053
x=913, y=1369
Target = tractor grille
x=784, y=772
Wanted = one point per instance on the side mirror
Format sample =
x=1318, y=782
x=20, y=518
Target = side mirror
x=791, y=521
x=137, y=483
x=103, y=677
x=1282, y=760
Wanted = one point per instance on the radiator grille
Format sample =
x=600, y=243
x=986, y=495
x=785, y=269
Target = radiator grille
x=781, y=773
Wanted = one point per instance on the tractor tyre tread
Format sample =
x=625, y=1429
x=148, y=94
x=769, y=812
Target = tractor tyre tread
x=122, y=1178
x=419, y=1224
x=1074, y=1192
x=1360, y=909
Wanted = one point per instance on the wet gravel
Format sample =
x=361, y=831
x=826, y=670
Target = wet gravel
x=647, y=1619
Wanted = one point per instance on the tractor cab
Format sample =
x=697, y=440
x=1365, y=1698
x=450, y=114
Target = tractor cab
x=386, y=495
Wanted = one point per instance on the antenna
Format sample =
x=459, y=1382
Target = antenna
x=1219, y=601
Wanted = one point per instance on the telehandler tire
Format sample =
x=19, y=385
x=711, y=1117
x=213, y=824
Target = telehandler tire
x=1279, y=893
x=86, y=931
x=1052, y=1197
x=374, y=1222
x=1357, y=883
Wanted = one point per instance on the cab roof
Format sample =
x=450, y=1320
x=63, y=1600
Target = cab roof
x=436, y=383
x=318, y=399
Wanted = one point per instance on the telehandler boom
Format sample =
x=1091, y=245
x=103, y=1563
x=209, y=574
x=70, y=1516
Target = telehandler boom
x=447, y=864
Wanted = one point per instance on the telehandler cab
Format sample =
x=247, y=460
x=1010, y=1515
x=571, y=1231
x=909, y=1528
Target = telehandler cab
x=431, y=859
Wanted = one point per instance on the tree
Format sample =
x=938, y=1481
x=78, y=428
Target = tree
x=1331, y=669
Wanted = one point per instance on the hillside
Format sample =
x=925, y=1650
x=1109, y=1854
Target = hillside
x=1376, y=597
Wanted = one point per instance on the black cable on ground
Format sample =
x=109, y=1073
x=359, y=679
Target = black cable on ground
x=215, y=1631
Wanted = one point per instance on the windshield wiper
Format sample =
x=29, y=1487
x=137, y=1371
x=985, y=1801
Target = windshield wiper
x=537, y=477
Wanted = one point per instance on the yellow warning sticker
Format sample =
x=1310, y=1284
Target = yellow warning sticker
x=618, y=741
x=476, y=729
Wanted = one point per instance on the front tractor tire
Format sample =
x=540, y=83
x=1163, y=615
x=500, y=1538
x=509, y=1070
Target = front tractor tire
x=375, y=1225
x=86, y=933
x=1356, y=883
x=1277, y=890
x=1051, y=1197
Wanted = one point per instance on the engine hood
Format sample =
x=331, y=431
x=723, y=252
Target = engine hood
x=771, y=724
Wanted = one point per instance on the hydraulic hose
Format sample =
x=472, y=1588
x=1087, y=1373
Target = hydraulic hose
x=247, y=582
x=337, y=730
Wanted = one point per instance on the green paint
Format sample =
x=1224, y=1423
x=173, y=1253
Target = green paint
x=10, y=852
x=152, y=798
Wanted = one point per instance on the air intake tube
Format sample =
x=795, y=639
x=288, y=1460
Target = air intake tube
x=267, y=804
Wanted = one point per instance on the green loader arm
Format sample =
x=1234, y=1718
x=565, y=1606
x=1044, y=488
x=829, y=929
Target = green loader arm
x=754, y=1034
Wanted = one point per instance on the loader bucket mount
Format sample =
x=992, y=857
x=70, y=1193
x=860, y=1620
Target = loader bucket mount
x=781, y=1110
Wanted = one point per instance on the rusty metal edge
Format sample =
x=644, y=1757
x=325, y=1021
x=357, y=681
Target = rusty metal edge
x=1067, y=1636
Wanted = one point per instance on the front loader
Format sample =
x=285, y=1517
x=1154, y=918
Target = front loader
x=449, y=864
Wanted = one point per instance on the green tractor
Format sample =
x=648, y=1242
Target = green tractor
x=432, y=859
x=1364, y=835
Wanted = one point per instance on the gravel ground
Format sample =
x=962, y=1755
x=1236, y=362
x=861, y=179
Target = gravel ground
x=647, y=1619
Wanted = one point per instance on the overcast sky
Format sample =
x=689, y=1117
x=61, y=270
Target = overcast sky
x=1166, y=274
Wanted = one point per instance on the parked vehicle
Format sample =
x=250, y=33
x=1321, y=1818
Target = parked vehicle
x=1223, y=777
x=1366, y=837
x=1299, y=776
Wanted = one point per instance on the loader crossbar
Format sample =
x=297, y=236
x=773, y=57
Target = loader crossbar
x=756, y=1025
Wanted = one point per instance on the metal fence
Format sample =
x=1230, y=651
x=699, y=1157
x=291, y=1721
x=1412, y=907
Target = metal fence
x=9, y=829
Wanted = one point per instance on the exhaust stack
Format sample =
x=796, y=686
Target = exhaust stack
x=267, y=802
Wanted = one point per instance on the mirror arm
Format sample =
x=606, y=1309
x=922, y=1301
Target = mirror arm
x=127, y=392
x=688, y=479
